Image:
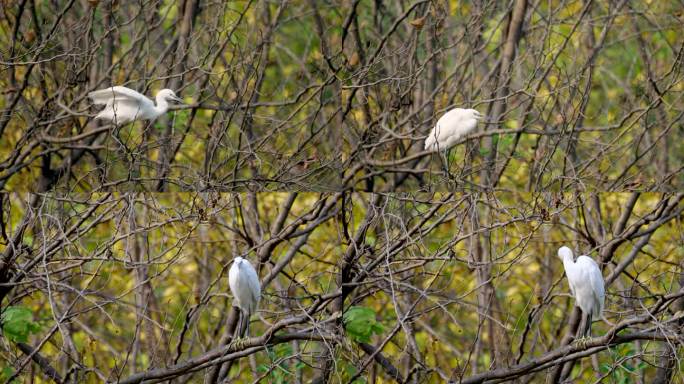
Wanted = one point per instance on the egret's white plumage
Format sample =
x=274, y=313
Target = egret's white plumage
x=244, y=283
x=123, y=105
x=451, y=127
x=586, y=284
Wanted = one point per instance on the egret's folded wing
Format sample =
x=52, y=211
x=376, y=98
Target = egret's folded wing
x=598, y=288
x=104, y=96
x=254, y=286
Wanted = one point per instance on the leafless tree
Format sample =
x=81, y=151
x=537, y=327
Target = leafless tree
x=325, y=96
x=300, y=148
x=465, y=288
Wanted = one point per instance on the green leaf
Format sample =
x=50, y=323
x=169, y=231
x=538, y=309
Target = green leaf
x=6, y=373
x=507, y=140
x=283, y=350
x=360, y=324
x=17, y=323
x=262, y=368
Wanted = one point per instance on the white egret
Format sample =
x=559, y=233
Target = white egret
x=244, y=283
x=586, y=284
x=124, y=105
x=451, y=127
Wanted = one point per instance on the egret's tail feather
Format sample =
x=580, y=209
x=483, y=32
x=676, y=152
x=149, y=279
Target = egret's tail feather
x=429, y=142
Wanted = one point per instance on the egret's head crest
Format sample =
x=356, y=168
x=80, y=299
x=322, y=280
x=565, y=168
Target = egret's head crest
x=563, y=251
x=169, y=94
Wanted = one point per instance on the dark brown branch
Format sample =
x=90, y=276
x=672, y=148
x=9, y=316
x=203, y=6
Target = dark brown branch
x=42, y=362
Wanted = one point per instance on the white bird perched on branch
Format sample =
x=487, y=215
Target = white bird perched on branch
x=244, y=283
x=451, y=127
x=586, y=285
x=124, y=105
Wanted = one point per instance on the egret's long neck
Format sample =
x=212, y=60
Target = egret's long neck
x=162, y=105
x=568, y=262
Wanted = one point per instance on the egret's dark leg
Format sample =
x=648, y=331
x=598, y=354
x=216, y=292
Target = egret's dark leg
x=239, y=328
x=441, y=160
x=116, y=134
x=580, y=335
x=580, y=329
x=587, y=327
x=248, y=316
x=445, y=162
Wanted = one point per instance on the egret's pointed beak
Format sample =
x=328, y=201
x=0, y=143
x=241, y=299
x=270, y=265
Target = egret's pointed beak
x=178, y=99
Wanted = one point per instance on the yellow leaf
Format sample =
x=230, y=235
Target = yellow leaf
x=418, y=23
x=354, y=59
